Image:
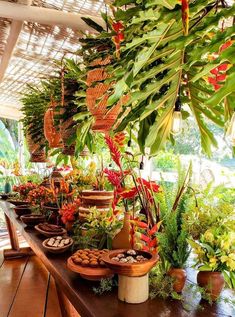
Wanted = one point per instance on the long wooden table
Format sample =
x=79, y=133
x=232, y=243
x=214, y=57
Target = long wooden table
x=79, y=291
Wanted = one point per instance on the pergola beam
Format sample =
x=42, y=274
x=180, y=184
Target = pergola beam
x=13, y=36
x=19, y=12
x=10, y=112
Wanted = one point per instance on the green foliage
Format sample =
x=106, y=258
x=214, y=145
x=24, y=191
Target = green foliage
x=160, y=63
x=161, y=284
x=106, y=285
x=173, y=245
x=165, y=161
x=214, y=207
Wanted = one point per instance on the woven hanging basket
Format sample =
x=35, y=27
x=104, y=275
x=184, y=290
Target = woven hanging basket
x=37, y=152
x=97, y=97
x=67, y=130
x=51, y=133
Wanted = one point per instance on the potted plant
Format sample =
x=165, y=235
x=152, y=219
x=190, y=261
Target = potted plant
x=215, y=254
x=172, y=240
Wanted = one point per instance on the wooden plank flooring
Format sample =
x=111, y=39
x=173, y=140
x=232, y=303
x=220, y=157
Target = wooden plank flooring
x=27, y=289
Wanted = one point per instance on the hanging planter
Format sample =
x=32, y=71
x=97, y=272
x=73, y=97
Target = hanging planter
x=51, y=133
x=36, y=150
x=97, y=97
x=67, y=130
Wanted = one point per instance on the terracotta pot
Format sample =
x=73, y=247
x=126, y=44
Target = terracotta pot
x=179, y=276
x=212, y=282
x=51, y=133
x=122, y=239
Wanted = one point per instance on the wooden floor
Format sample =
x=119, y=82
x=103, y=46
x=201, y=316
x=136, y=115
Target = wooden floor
x=27, y=289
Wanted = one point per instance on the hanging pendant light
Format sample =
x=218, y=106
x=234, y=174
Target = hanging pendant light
x=177, y=121
x=230, y=134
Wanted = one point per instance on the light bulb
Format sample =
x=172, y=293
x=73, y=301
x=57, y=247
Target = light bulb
x=230, y=134
x=176, y=126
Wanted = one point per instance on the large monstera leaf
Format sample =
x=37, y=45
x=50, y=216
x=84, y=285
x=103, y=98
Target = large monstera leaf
x=161, y=63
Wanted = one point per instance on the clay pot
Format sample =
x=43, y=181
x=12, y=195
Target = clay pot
x=212, y=282
x=179, y=276
x=51, y=133
x=122, y=239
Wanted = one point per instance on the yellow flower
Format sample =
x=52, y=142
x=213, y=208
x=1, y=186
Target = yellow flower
x=209, y=237
x=229, y=260
x=213, y=261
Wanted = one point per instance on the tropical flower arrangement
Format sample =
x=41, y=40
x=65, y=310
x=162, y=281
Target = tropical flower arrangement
x=102, y=227
x=137, y=195
x=215, y=250
x=24, y=189
x=69, y=211
x=38, y=196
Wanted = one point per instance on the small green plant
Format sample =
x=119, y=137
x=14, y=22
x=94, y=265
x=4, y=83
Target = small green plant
x=106, y=285
x=161, y=284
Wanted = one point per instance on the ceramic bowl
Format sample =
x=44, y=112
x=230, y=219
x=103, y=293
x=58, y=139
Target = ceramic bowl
x=130, y=269
x=54, y=249
x=32, y=220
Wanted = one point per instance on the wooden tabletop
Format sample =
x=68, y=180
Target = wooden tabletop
x=81, y=295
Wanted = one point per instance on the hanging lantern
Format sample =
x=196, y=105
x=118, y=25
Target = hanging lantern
x=177, y=121
x=51, y=133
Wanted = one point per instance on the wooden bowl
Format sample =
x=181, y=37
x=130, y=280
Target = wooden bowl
x=22, y=210
x=89, y=273
x=130, y=269
x=54, y=249
x=32, y=220
x=18, y=202
x=50, y=234
x=4, y=196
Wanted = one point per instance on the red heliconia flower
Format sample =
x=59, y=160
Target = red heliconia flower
x=113, y=177
x=222, y=67
x=115, y=153
x=129, y=194
x=119, y=139
x=118, y=26
x=151, y=185
x=225, y=45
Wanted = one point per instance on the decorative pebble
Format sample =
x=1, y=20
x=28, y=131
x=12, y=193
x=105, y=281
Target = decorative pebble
x=131, y=252
x=116, y=259
x=123, y=260
x=121, y=255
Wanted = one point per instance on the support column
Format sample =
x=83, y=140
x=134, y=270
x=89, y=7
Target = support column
x=21, y=147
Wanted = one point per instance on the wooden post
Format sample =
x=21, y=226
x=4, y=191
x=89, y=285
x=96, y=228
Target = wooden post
x=15, y=251
x=133, y=290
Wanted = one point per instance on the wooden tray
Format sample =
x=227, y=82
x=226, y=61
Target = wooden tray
x=89, y=273
x=130, y=269
x=50, y=234
x=57, y=250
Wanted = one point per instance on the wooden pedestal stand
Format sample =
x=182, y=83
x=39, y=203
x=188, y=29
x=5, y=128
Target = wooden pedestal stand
x=133, y=279
x=133, y=290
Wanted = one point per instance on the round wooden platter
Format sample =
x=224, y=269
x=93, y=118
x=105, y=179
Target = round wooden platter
x=50, y=234
x=54, y=249
x=130, y=269
x=89, y=273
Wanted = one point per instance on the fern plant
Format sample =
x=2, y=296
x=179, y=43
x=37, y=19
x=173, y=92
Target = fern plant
x=173, y=245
